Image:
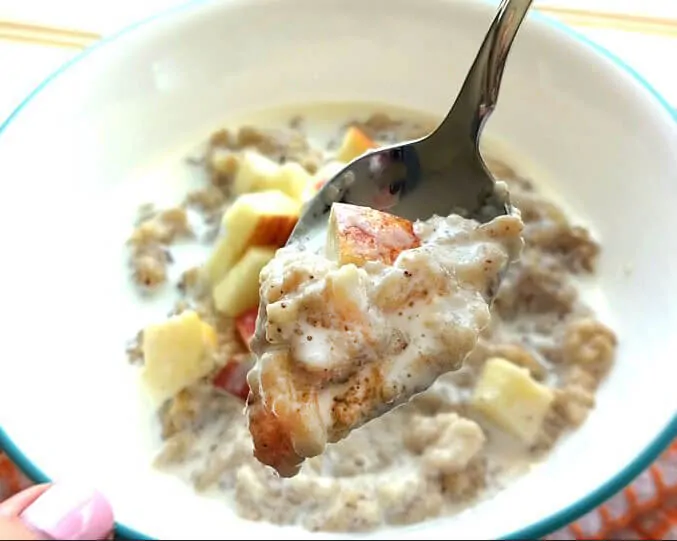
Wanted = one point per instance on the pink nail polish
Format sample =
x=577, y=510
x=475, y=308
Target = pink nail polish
x=69, y=513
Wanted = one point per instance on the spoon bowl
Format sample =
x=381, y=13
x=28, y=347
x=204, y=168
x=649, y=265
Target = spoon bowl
x=441, y=173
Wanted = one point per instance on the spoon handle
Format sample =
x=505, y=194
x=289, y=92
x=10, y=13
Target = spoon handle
x=479, y=93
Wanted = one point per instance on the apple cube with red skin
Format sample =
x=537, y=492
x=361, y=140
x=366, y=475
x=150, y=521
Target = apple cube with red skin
x=232, y=378
x=355, y=143
x=238, y=291
x=264, y=218
x=245, y=324
x=361, y=234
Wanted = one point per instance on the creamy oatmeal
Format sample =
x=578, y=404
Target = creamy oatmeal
x=532, y=376
x=355, y=330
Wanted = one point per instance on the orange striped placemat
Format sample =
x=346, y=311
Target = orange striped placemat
x=645, y=510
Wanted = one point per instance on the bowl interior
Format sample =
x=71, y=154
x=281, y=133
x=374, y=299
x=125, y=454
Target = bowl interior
x=109, y=132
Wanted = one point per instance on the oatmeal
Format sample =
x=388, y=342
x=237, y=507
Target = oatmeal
x=356, y=331
x=531, y=378
x=149, y=254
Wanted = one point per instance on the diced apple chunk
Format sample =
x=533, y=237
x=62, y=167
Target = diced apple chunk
x=292, y=179
x=239, y=289
x=254, y=173
x=257, y=173
x=232, y=378
x=355, y=143
x=177, y=353
x=255, y=219
x=509, y=397
x=361, y=234
x=245, y=323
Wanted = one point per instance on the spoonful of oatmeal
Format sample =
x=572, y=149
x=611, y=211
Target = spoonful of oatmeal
x=363, y=308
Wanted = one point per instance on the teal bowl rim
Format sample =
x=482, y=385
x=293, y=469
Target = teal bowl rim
x=534, y=531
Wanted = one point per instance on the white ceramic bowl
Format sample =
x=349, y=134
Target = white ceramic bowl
x=72, y=153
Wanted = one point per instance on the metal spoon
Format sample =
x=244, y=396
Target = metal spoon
x=441, y=173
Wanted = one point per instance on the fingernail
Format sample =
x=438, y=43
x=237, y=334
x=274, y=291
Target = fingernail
x=70, y=513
